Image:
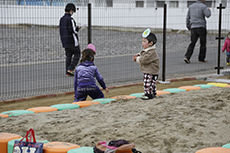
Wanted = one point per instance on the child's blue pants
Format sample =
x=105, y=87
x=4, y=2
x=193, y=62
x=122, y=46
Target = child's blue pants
x=82, y=93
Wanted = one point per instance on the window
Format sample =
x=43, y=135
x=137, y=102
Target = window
x=160, y=3
x=208, y=3
x=33, y=2
x=99, y=3
x=139, y=3
x=190, y=2
x=174, y=4
x=109, y=3
x=150, y=3
x=224, y=3
x=8, y=2
x=103, y=3
x=214, y=3
x=82, y=2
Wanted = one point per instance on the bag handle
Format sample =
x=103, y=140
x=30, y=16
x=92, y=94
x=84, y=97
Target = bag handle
x=103, y=143
x=31, y=132
x=26, y=136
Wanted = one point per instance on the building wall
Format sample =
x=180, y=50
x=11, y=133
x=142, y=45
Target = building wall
x=119, y=16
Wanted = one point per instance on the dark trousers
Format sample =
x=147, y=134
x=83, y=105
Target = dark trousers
x=227, y=57
x=72, y=57
x=82, y=93
x=195, y=34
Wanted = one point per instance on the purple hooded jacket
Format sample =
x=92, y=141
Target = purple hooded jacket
x=85, y=75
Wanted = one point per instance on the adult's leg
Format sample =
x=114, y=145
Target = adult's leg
x=202, y=34
x=76, y=57
x=96, y=93
x=69, y=54
x=194, y=38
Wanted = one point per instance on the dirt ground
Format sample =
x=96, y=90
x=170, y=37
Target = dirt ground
x=47, y=101
x=175, y=123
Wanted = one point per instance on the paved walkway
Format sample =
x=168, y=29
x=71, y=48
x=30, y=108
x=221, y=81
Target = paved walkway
x=26, y=80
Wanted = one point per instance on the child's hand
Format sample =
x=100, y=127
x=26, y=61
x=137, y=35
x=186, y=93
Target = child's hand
x=106, y=90
x=135, y=58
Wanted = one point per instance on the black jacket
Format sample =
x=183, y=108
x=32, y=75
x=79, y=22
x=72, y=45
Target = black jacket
x=68, y=31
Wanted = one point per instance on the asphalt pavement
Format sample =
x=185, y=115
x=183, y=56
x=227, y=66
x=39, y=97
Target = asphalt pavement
x=41, y=78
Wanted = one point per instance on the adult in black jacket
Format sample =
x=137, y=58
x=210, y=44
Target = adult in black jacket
x=69, y=39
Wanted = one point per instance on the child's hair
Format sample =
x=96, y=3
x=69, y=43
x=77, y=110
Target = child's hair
x=87, y=55
x=152, y=38
x=69, y=7
x=228, y=34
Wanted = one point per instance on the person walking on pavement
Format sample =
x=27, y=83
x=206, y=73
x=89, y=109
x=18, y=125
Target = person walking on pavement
x=196, y=23
x=69, y=38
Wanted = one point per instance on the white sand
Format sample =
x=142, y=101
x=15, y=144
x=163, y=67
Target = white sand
x=176, y=123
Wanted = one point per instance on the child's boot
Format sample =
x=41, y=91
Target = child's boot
x=147, y=97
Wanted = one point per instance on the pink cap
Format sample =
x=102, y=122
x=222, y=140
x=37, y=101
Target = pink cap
x=92, y=47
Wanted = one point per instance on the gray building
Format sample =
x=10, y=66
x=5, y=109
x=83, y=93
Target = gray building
x=116, y=3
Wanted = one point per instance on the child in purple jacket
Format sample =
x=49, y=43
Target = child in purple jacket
x=84, y=78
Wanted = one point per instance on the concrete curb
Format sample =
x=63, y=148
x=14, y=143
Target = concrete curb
x=72, y=92
x=36, y=97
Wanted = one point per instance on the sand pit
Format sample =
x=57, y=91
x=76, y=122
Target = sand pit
x=176, y=123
